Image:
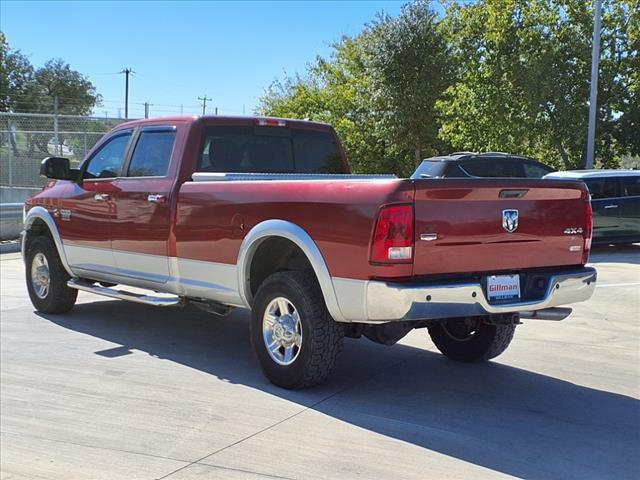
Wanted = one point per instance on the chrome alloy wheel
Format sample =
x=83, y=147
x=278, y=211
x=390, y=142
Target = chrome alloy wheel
x=40, y=277
x=282, y=331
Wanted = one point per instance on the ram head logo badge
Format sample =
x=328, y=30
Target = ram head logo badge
x=510, y=220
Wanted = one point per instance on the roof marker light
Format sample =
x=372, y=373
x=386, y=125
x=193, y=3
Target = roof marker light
x=271, y=122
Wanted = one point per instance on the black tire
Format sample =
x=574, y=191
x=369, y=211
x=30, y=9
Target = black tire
x=472, y=340
x=59, y=298
x=322, y=336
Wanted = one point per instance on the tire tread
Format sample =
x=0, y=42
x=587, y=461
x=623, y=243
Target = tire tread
x=60, y=298
x=327, y=337
x=489, y=342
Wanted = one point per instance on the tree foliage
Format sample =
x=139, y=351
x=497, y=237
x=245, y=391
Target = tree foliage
x=410, y=69
x=16, y=74
x=490, y=75
x=524, y=78
x=25, y=89
x=382, y=113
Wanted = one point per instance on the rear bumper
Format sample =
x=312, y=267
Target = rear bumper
x=385, y=302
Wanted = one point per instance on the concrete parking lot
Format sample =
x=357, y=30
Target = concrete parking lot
x=115, y=390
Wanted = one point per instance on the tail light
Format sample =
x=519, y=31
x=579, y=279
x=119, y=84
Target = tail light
x=393, y=237
x=588, y=228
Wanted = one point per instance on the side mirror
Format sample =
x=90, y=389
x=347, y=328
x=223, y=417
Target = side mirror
x=56, y=168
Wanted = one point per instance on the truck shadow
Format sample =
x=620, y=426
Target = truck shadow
x=502, y=418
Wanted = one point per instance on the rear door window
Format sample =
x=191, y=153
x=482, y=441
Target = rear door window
x=631, y=186
x=152, y=154
x=602, y=187
x=269, y=150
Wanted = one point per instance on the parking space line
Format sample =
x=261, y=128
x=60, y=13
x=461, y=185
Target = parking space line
x=201, y=461
x=631, y=284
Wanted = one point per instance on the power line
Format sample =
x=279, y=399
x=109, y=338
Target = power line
x=34, y=99
x=43, y=102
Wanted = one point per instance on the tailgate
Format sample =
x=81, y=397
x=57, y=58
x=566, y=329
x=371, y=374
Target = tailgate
x=466, y=218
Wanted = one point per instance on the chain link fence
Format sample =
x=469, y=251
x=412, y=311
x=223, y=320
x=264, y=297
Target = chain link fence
x=27, y=138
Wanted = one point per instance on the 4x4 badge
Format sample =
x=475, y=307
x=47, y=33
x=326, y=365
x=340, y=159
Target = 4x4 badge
x=510, y=220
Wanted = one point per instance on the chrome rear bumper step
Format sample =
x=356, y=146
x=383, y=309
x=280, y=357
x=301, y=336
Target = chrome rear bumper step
x=90, y=287
x=386, y=301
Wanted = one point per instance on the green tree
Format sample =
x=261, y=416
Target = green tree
x=16, y=74
x=76, y=94
x=410, y=66
x=25, y=89
x=377, y=89
x=619, y=91
x=524, y=76
x=335, y=90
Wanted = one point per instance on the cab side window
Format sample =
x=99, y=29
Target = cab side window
x=152, y=154
x=107, y=161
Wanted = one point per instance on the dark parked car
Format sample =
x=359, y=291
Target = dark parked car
x=615, y=198
x=478, y=165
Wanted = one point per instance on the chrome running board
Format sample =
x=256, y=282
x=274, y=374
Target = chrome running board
x=87, y=286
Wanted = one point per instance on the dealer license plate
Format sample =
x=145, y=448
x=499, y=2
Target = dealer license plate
x=503, y=287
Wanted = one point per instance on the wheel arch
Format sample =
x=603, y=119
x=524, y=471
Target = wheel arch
x=270, y=229
x=36, y=219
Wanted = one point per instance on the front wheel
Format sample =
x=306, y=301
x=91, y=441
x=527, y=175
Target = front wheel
x=294, y=337
x=47, y=279
x=472, y=339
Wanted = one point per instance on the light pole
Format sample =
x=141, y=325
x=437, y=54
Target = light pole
x=593, y=98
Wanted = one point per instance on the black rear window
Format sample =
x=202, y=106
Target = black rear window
x=502, y=168
x=269, y=150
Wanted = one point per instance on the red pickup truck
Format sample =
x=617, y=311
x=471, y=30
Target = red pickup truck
x=263, y=214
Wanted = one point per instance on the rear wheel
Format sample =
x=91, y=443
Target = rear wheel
x=47, y=278
x=294, y=337
x=472, y=339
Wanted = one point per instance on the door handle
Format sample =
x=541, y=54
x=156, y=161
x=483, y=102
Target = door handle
x=156, y=198
x=611, y=206
x=102, y=197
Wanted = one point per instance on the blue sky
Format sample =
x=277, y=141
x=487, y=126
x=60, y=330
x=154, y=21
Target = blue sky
x=230, y=51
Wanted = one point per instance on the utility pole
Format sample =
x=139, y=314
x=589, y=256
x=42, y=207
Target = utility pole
x=181, y=109
x=146, y=109
x=127, y=71
x=204, y=103
x=216, y=110
x=593, y=98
